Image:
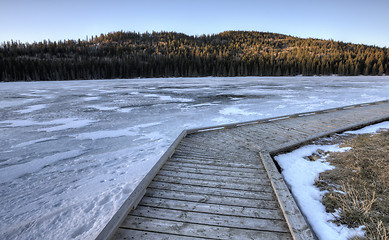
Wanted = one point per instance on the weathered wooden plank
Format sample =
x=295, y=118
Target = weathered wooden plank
x=263, y=132
x=339, y=121
x=125, y=234
x=310, y=126
x=297, y=224
x=212, y=191
x=324, y=123
x=303, y=124
x=223, y=163
x=259, y=170
x=213, y=219
x=209, y=144
x=199, y=230
x=218, y=184
x=179, y=155
x=219, y=157
x=227, y=210
x=236, y=150
x=204, y=198
x=241, y=180
x=211, y=171
x=243, y=139
x=290, y=124
x=209, y=155
x=330, y=121
x=217, y=138
x=291, y=131
x=259, y=136
x=205, y=146
x=223, y=158
x=198, y=150
x=259, y=139
x=281, y=132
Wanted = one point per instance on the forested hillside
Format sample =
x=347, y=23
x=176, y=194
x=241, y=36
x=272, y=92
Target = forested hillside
x=170, y=54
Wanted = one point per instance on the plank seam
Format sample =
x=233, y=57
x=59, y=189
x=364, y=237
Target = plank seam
x=211, y=225
x=160, y=178
x=216, y=164
x=209, y=174
x=175, y=234
x=246, y=205
x=213, y=213
x=246, y=197
x=225, y=180
x=210, y=180
x=221, y=187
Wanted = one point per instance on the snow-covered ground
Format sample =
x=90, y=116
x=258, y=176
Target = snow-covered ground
x=71, y=152
x=300, y=175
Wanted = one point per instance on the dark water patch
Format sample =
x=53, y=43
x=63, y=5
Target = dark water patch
x=78, y=96
x=18, y=97
x=228, y=97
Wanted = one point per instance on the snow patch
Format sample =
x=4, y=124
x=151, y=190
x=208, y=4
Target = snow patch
x=65, y=123
x=125, y=110
x=20, y=123
x=168, y=98
x=370, y=129
x=33, y=108
x=34, y=142
x=222, y=120
x=9, y=173
x=130, y=131
x=106, y=134
x=6, y=104
x=204, y=105
x=103, y=108
x=91, y=98
x=237, y=111
x=300, y=175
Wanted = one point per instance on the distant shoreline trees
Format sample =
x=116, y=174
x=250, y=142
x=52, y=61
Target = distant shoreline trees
x=170, y=54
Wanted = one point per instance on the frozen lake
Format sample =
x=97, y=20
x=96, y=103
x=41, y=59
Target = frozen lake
x=71, y=152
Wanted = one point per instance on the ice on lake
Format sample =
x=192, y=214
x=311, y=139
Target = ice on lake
x=72, y=152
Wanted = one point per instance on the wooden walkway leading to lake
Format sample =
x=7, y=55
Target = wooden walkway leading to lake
x=221, y=182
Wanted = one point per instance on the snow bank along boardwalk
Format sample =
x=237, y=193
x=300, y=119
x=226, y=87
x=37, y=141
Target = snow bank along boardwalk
x=221, y=182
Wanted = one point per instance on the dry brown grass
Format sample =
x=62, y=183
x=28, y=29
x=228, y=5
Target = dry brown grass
x=358, y=187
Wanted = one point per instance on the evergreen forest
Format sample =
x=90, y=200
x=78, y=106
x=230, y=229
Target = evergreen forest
x=170, y=54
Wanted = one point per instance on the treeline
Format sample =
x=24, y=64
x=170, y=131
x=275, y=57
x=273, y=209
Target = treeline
x=171, y=54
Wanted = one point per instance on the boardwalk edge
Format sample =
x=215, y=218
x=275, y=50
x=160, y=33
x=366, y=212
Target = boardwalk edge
x=138, y=193
x=297, y=224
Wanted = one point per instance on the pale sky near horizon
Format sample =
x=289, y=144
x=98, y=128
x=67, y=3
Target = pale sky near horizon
x=353, y=21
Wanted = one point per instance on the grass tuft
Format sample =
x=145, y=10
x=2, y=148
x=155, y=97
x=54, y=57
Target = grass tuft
x=358, y=187
x=355, y=206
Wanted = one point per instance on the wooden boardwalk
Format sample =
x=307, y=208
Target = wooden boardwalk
x=221, y=182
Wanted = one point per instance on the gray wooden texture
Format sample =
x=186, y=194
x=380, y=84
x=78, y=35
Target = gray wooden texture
x=221, y=182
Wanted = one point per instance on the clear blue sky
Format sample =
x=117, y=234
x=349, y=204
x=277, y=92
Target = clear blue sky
x=344, y=20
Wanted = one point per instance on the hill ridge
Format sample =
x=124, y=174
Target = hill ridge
x=170, y=54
